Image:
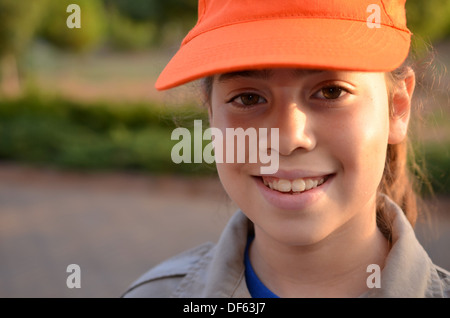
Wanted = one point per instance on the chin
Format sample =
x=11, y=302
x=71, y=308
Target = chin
x=290, y=228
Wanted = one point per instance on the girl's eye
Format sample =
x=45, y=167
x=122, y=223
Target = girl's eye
x=330, y=92
x=248, y=99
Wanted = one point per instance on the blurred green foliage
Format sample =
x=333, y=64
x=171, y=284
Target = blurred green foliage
x=162, y=13
x=116, y=24
x=140, y=24
x=124, y=33
x=69, y=134
x=437, y=158
x=93, y=23
x=19, y=21
x=428, y=20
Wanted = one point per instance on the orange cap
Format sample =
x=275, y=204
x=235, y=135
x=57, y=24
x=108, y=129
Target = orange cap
x=232, y=35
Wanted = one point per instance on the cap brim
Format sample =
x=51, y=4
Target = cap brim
x=297, y=43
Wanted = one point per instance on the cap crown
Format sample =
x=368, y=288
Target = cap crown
x=214, y=14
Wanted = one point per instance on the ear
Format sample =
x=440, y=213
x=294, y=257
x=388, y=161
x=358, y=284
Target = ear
x=401, y=108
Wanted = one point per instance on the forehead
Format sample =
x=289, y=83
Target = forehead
x=264, y=74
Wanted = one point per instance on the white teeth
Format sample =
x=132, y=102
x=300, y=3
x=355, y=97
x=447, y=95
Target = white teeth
x=297, y=185
x=284, y=185
x=309, y=184
x=273, y=184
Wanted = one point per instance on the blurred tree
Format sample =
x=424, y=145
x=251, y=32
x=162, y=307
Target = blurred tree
x=428, y=20
x=54, y=28
x=179, y=13
x=19, y=21
x=124, y=33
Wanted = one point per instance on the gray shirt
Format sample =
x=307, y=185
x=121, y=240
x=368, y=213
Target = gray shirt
x=217, y=270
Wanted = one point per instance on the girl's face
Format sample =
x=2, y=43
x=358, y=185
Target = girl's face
x=333, y=134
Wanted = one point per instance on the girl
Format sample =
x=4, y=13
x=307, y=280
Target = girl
x=336, y=219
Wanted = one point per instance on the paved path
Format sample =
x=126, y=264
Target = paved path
x=114, y=226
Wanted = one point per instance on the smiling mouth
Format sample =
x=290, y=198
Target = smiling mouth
x=295, y=186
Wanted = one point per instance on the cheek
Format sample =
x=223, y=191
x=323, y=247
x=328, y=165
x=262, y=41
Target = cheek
x=371, y=155
x=236, y=177
x=361, y=148
x=230, y=174
x=237, y=185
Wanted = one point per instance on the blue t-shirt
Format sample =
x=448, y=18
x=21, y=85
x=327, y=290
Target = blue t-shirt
x=256, y=287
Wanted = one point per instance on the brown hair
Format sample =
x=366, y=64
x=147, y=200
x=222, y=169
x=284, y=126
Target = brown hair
x=402, y=176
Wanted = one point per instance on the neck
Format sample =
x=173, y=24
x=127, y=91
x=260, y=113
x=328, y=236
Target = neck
x=333, y=267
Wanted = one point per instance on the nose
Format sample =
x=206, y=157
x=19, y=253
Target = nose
x=295, y=129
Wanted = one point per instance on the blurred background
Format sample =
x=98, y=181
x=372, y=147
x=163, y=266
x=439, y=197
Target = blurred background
x=86, y=175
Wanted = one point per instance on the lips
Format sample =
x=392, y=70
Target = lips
x=295, y=186
x=293, y=190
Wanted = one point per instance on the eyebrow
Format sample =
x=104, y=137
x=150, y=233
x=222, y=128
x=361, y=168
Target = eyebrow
x=264, y=74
